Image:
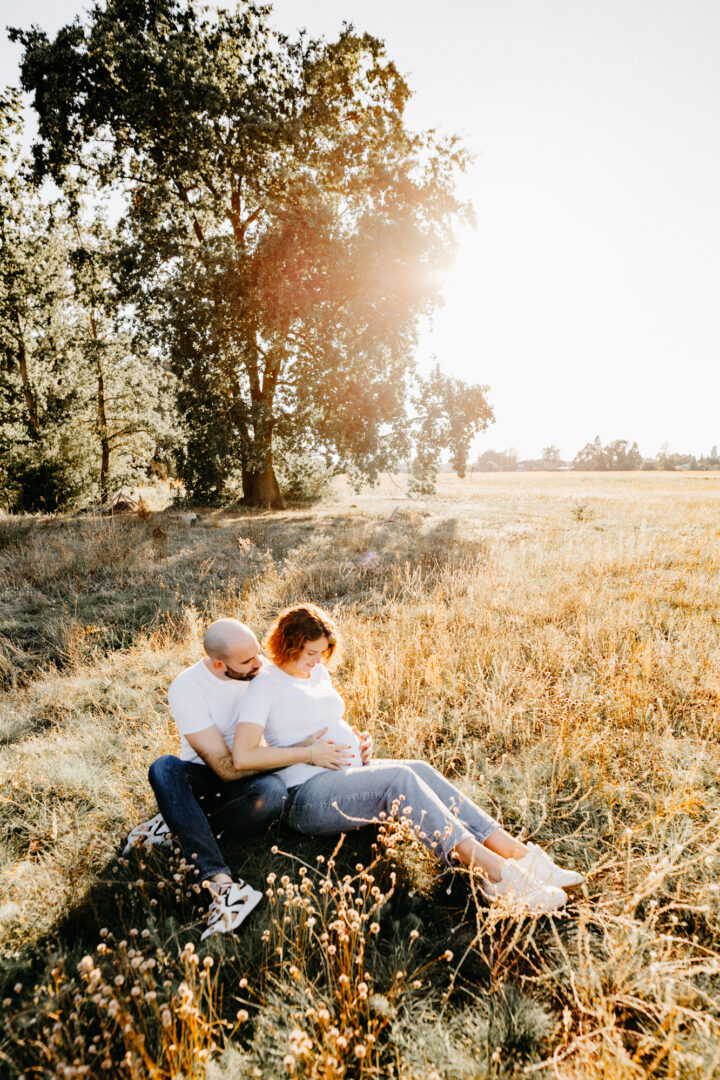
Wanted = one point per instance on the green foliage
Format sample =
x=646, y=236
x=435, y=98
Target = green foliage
x=284, y=230
x=82, y=401
x=304, y=478
x=40, y=485
x=37, y=350
x=449, y=413
x=129, y=406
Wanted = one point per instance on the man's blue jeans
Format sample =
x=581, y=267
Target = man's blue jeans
x=197, y=805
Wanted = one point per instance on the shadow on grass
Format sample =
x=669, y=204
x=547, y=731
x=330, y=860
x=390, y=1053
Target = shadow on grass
x=74, y=594
x=141, y=893
x=428, y=913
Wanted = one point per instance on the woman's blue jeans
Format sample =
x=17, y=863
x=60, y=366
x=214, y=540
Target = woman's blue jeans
x=197, y=805
x=338, y=801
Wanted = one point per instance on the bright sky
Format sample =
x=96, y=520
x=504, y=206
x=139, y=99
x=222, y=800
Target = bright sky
x=587, y=297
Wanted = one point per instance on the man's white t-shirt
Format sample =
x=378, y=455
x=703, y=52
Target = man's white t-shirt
x=290, y=709
x=199, y=700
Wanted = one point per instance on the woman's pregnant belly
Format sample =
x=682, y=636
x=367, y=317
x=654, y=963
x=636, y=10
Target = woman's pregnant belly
x=341, y=732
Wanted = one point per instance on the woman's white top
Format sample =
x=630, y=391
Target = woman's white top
x=291, y=708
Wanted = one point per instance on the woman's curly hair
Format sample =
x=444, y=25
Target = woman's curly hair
x=297, y=625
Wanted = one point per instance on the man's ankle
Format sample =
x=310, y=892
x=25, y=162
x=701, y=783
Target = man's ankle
x=218, y=883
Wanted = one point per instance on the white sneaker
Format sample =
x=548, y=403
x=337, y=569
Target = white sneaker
x=230, y=908
x=541, y=866
x=150, y=833
x=525, y=891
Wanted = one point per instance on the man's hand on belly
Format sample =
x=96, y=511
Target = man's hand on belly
x=315, y=737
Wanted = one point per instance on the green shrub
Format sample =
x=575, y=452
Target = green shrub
x=304, y=478
x=33, y=486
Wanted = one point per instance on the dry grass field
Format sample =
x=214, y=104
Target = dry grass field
x=549, y=641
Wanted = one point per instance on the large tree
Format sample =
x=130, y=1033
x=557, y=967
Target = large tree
x=82, y=402
x=38, y=398
x=285, y=227
x=618, y=455
x=128, y=410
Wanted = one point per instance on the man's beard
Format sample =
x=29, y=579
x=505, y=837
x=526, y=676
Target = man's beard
x=237, y=677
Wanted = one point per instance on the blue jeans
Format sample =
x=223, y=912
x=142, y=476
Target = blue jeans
x=189, y=794
x=335, y=802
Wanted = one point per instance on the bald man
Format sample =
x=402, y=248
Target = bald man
x=201, y=793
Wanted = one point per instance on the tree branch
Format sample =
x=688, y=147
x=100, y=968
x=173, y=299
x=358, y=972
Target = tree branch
x=182, y=192
x=133, y=429
x=245, y=225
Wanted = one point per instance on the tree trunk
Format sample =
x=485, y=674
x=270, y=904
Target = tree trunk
x=104, y=471
x=260, y=486
x=102, y=416
x=262, y=489
x=30, y=402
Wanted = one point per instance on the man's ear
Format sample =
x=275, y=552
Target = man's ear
x=218, y=664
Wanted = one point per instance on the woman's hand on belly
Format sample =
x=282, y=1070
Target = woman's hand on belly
x=330, y=755
x=366, y=745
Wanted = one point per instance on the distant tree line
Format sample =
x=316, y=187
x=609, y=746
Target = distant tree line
x=617, y=456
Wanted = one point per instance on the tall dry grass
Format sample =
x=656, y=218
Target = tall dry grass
x=550, y=643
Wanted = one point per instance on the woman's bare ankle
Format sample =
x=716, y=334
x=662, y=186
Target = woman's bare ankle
x=491, y=874
x=478, y=858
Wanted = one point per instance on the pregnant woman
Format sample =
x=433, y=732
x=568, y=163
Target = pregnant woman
x=331, y=791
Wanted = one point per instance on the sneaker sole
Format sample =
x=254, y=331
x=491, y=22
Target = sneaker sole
x=526, y=908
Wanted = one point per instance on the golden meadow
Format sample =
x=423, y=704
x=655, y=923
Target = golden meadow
x=549, y=641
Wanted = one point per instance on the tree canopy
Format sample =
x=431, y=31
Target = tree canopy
x=284, y=228
x=79, y=393
x=617, y=455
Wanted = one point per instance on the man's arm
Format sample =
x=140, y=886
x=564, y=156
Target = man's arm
x=212, y=748
x=250, y=748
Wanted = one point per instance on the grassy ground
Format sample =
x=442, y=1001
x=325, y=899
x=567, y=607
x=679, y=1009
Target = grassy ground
x=548, y=641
